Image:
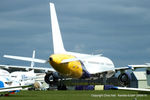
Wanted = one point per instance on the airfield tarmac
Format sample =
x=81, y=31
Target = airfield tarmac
x=78, y=95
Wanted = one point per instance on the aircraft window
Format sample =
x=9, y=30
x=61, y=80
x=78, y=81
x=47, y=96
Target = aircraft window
x=14, y=76
x=109, y=64
x=93, y=62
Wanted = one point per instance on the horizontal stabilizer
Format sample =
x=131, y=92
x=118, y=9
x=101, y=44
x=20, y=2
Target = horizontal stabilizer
x=25, y=59
x=69, y=60
x=79, y=58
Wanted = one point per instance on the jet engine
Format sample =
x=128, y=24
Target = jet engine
x=51, y=78
x=148, y=76
x=124, y=79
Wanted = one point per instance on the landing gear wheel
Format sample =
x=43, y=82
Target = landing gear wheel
x=61, y=87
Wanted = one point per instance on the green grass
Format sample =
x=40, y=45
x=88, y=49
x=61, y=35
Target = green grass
x=77, y=95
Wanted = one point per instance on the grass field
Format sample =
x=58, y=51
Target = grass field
x=78, y=95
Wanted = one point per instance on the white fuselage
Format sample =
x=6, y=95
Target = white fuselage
x=25, y=78
x=96, y=64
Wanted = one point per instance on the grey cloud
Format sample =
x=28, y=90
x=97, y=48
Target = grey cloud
x=118, y=28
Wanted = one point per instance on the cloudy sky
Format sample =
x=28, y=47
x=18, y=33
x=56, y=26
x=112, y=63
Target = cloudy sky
x=119, y=29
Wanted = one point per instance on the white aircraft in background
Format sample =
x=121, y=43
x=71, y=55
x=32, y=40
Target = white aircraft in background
x=72, y=64
x=14, y=82
x=25, y=77
x=8, y=85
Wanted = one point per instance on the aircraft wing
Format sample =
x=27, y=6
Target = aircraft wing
x=26, y=68
x=121, y=69
x=132, y=89
x=114, y=69
x=147, y=65
x=12, y=89
x=132, y=67
x=4, y=90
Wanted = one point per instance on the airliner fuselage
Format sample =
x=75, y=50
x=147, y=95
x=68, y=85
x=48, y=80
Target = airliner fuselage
x=81, y=68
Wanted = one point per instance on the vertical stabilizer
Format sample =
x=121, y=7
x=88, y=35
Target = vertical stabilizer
x=33, y=57
x=56, y=34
